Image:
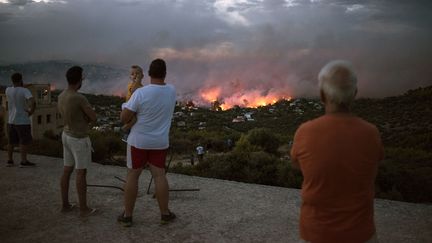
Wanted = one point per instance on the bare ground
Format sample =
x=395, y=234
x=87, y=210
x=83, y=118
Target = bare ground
x=222, y=211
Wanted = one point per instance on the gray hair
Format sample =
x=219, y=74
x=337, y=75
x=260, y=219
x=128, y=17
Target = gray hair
x=338, y=82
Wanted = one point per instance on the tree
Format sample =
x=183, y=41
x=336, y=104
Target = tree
x=262, y=138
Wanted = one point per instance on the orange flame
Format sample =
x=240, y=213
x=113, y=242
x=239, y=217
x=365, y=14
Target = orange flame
x=224, y=107
x=251, y=98
x=211, y=94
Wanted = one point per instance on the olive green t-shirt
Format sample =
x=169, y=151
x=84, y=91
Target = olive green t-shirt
x=76, y=122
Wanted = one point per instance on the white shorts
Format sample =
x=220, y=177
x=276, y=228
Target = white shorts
x=76, y=151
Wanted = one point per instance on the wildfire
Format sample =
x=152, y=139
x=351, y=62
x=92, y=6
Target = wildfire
x=224, y=107
x=211, y=95
x=250, y=98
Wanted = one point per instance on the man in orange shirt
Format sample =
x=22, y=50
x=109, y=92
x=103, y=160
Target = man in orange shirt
x=338, y=154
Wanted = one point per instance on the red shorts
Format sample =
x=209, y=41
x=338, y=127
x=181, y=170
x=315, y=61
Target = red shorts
x=138, y=158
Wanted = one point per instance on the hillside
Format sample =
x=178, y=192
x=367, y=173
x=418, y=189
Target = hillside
x=404, y=121
x=406, y=128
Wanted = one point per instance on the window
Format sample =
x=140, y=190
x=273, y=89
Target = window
x=48, y=119
x=39, y=119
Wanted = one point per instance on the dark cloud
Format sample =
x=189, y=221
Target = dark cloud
x=129, y=3
x=5, y=16
x=20, y=2
x=268, y=45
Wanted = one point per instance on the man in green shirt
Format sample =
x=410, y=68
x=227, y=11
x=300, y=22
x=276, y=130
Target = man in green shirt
x=77, y=115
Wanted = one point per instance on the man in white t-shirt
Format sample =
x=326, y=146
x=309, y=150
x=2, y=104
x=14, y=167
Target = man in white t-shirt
x=148, y=140
x=200, y=152
x=21, y=106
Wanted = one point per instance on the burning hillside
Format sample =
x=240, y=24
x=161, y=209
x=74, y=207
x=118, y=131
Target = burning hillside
x=249, y=98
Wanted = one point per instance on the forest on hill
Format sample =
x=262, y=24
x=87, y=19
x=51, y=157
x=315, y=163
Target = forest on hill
x=256, y=150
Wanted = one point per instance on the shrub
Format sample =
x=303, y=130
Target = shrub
x=47, y=147
x=405, y=174
x=183, y=142
x=264, y=139
x=181, y=145
x=50, y=135
x=289, y=176
x=255, y=167
x=416, y=186
x=243, y=145
x=105, y=146
x=183, y=169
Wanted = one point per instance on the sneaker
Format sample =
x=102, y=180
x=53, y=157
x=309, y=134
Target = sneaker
x=124, y=221
x=27, y=164
x=165, y=219
x=10, y=163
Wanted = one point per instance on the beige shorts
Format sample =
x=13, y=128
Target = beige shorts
x=76, y=151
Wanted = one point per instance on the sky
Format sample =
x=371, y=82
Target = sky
x=233, y=48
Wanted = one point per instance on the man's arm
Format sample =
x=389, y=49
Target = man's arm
x=128, y=109
x=126, y=115
x=90, y=113
x=32, y=104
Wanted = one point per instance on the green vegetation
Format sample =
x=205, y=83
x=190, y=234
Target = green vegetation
x=106, y=146
x=406, y=129
x=254, y=159
x=47, y=146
